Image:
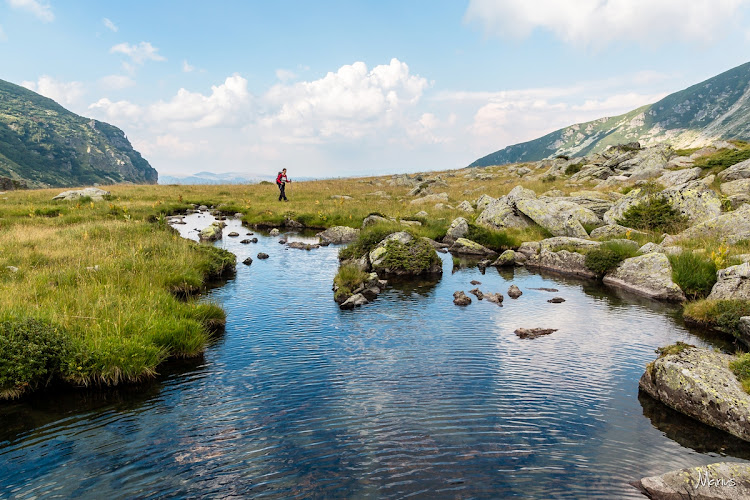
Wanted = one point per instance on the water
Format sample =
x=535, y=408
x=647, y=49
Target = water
x=406, y=396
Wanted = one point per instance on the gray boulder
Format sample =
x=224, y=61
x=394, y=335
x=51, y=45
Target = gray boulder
x=613, y=231
x=507, y=258
x=371, y=220
x=355, y=300
x=737, y=171
x=595, y=204
x=735, y=188
x=514, y=292
x=724, y=480
x=95, y=194
x=338, y=235
x=694, y=200
x=519, y=193
x=732, y=283
x=730, y=227
x=565, y=242
x=430, y=198
x=463, y=246
x=459, y=228
x=211, y=232
x=465, y=206
x=744, y=331
x=700, y=384
x=558, y=217
x=592, y=172
x=484, y=201
x=674, y=178
x=500, y=215
x=461, y=299
x=561, y=262
x=274, y=232
x=649, y=275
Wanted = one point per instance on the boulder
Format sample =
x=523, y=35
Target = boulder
x=460, y=299
x=507, y=258
x=723, y=480
x=514, y=292
x=519, y=193
x=248, y=261
x=484, y=201
x=465, y=206
x=732, y=283
x=675, y=178
x=737, y=171
x=736, y=188
x=262, y=256
x=566, y=242
x=500, y=215
x=730, y=227
x=561, y=218
x=649, y=275
x=694, y=200
x=700, y=384
x=463, y=246
x=372, y=220
x=496, y=298
x=339, y=235
x=95, y=194
x=411, y=256
x=245, y=241
x=650, y=247
x=596, y=205
x=421, y=213
x=459, y=228
x=744, y=330
x=274, y=232
x=532, y=333
x=613, y=231
x=592, y=172
x=211, y=232
x=430, y=198
x=355, y=300
x=648, y=162
x=562, y=262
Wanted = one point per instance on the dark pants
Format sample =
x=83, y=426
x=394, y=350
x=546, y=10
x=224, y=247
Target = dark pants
x=282, y=186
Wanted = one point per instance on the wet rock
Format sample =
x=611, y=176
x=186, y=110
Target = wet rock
x=339, y=235
x=556, y=300
x=233, y=234
x=477, y=292
x=462, y=246
x=254, y=240
x=274, y=232
x=724, y=480
x=95, y=194
x=700, y=384
x=460, y=299
x=282, y=240
x=496, y=298
x=475, y=282
x=649, y=275
x=514, y=292
x=248, y=261
x=507, y=258
x=553, y=290
x=532, y=333
x=262, y=255
x=249, y=234
x=732, y=283
x=211, y=232
x=459, y=228
x=245, y=241
x=355, y=300
x=302, y=246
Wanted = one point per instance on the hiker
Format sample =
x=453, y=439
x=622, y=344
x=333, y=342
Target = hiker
x=281, y=181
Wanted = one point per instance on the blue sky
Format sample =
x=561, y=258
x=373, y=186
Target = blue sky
x=334, y=88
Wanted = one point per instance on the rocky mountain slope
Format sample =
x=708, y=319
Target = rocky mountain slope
x=43, y=144
x=718, y=108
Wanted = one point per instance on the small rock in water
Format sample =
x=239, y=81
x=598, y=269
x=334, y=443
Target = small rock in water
x=355, y=300
x=497, y=298
x=249, y=234
x=532, y=333
x=556, y=300
x=547, y=289
x=233, y=234
x=475, y=282
x=248, y=261
x=254, y=240
x=282, y=240
x=460, y=299
x=477, y=292
x=245, y=241
x=274, y=232
x=514, y=292
x=262, y=255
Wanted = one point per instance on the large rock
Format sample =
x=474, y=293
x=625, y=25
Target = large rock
x=562, y=262
x=732, y=283
x=465, y=206
x=458, y=229
x=737, y=171
x=676, y=178
x=744, y=331
x=565, y=242
x=338, y=235
x=724, y=480
x=507, y=258
x=648, y=162
x=430, y=198
x=613, y=231
x=95, y=194
x=592, y=172
x=558, y=217
x=694, y=200
x=649, y=275
x=595, y=204
x=519, y=193
x=484, y=201
x=412, y=253
x=730, y=227
x=211, y=232
x=700, y=384
x=738, y=187
x=371, y=220
x=463, y=246
x=500, y=215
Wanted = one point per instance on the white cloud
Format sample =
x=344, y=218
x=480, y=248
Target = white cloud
x=110, y=25
x=285, y=75
x=598, y=22
x=186, y=67
x=116, y=82
x=68, y=94
x=138, y=54
x=3, y=36
x=117, y=111
x=42, y=10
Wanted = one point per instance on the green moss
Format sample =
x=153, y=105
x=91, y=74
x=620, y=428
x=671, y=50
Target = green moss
x=608, y=255
x=494, y=240
x=368, y=239
x=724, y=158
x=676, y=348
x=741, y=368
x=654, y=214
x=695, y=274
x=414, y=257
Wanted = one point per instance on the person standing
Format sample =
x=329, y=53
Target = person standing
x=281, y=181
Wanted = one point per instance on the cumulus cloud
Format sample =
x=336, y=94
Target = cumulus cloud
x=110, y=25
x=41, y=10
x=116, y=82
x=117, y=111
x=138, y=54
x=599, y=22
x=68, y=94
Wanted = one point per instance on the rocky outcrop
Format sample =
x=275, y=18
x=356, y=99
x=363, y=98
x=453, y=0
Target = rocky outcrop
x=430, y=198
x=465, y=206
x=732, y=283
x=338, y=235
x=211, y=232
x=459, y=228
x=744, y=330
x=730, y=227
x=461, y=299
x=737, y=171
x=507, y=258
x=675, y=178
x=695, y=200
x=500, y=215
x=649, y=275
x=613, y=231
x=561, y=262
x=95, y=194
x=724, y=480
x=462, y=246
x=403, y=255
x=700, y=384
x=365, y=293
x=740, y=187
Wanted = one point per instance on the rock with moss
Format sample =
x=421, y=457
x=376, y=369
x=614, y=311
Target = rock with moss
x=730, y=227
x=614, y=231
x=506, y=259
x=338, y=235
x=465, y=206
x=737, y=171
x=484, y=201
x=724, y=480
x=744, y=330
x=500, y=215
x=732, y=283
x=700, y=384
x=694, y=200
x=649, y=275
x=558, y=217
x=430, y=198
x=212, y=232
x=565, y=262
x=675, y=178
x=593, y=203
x=459, y=228
x=403, y=255
x=566, y=242
x=740, y=187
x=463, y=246
x=95, y=194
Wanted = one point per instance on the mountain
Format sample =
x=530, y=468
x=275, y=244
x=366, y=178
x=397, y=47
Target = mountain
x=718, y=108
x=212, y=178
x=43, y=144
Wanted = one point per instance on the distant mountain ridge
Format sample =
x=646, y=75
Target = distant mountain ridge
x=42, y=144
x=718, y=108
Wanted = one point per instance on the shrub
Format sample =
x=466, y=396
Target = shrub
x=31, y=354
x=415, y=257
x=723, y=158
x=694, y=273
x=723, y=315
x=562, y=157
x=573, y=168
x=494, y=240
x=608, y=256
x=368, y=239
x=654, y=214
x=741, y=368
x=347, y=279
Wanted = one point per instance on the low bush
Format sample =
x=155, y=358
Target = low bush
x=723, y=315
x=741, y=368
x=724, y=158
x=608, y=256
x=415, y=257
x=31, y=354
x=494, y=240
x=368, y=239
x=654, y=214
x=694, y=273
x=573, y=168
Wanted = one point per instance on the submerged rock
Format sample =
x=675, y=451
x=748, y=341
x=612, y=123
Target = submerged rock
x=514, y=292
x=302, y=246
x=233, y=234
x=248, y=261
x=245, y=241
x=532, y=333
x=496, y=298
x=477, y=292
x=460, y=299
x=475, y=282
x=262, y=255
x=700, y=384
x=556, y=300
x=724, y=480
x=338, y=235
x=649, y=275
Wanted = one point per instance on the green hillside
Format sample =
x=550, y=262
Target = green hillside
x=718, y=108
x=46, y=145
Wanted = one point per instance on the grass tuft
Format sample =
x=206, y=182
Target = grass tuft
x=608, y=255
x=722, y=315
x=741, y=368
x=694, y=273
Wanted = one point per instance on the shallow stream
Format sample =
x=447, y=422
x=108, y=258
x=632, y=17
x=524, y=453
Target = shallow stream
x=407, y=396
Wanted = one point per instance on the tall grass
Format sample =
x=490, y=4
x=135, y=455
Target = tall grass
x=723, y=315
x=608, y=255
x=695, y=274
x=741, y=368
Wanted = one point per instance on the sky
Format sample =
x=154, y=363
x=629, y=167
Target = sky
x=349, y=88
